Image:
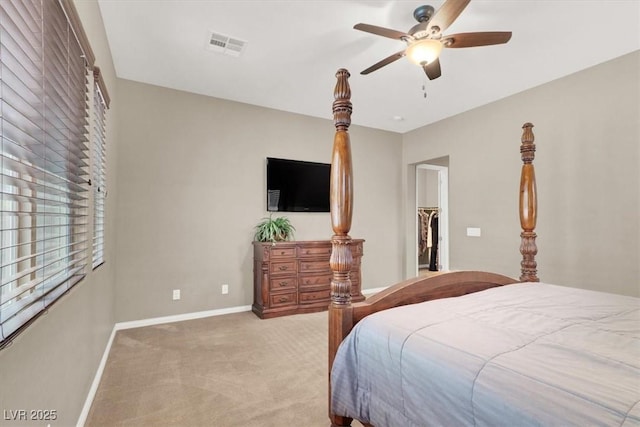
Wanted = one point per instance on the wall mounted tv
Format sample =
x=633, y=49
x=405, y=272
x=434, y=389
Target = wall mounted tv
x=297, y=186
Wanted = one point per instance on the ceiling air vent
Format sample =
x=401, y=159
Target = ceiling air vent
x=226, y=44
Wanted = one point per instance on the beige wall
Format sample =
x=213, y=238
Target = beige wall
x=587, y=128
x=192, y=187
x=427, y=192
x=51, y=365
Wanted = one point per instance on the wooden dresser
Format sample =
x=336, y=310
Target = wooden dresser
x=295, y=277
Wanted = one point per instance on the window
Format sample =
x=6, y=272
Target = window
x=44, y=165
x=99, y=182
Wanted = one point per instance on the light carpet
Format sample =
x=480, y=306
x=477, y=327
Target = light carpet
x=230, y=370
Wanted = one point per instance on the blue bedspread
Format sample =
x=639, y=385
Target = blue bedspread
x=518, y=355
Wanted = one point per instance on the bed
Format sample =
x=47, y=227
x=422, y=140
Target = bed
x=471, y=347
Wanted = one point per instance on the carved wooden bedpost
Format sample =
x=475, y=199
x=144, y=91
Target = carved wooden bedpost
x=341, y=212
x=341, y=193
x=528, y=207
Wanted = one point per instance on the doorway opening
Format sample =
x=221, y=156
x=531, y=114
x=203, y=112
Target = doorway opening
x=432, y=217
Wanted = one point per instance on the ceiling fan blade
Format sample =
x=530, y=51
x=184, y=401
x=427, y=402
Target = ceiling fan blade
x=445, y=16
x=380, y=31
x=476, y=39
x=432, y=70
x=386, y=61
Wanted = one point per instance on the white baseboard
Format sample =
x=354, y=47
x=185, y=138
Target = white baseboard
x=180, y=317
x=136, y=324
x=96, y=382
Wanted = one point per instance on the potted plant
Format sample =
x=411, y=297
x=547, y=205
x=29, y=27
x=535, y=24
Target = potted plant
x=274, y=230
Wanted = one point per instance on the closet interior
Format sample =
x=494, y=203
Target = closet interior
x=428, y=238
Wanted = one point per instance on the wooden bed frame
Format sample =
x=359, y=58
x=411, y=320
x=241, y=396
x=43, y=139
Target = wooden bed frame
x=343, y=315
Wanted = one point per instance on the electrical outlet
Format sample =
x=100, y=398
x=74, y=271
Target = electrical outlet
x=225, y=289
x=176, y=294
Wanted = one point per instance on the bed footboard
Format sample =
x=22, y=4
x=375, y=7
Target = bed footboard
x=413, y=291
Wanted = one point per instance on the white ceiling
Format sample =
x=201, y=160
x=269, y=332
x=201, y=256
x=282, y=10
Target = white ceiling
x=294, y=48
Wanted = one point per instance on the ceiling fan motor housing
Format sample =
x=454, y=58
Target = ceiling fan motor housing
x=423, y=13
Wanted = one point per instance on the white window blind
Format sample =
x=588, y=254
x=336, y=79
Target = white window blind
x=44, y=159
x=99, y=182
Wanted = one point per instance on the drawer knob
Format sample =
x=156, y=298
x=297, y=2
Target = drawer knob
x=308, y=252
x=283, y=299
x=283, y=267
x=281, y=252
x=283, y=283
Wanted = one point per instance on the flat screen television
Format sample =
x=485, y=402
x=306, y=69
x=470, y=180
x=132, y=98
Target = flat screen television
x=297, y=186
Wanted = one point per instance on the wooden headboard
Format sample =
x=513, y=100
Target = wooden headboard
x=343, y=314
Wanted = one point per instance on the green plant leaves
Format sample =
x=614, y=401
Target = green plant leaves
x=274, y=229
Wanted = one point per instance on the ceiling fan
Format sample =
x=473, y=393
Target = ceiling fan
x=425, y=39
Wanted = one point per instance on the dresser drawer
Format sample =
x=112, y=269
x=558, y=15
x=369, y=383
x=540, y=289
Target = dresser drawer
x=315, y=281
x=278, y=300
x=283, y=267
x=317, y=296
x=283, y=283
x=307, y=252
x=313, y=266
x=277, y=252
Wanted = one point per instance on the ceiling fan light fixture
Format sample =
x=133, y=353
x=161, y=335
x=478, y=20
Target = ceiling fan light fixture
x=424, y=51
